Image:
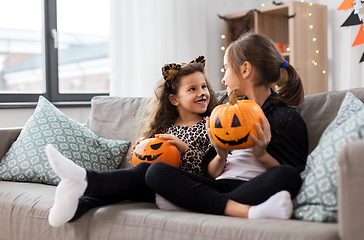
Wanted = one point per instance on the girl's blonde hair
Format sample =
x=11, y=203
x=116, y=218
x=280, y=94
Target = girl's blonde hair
x=159, y=112
x=262, y=53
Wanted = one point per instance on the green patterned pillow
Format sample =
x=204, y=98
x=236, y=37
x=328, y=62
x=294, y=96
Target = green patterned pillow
x=349, y=106
x=317, y=198
x=26, y=160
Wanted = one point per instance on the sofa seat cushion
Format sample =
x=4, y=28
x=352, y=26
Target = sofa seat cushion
x=24, y=209
x=131, y=220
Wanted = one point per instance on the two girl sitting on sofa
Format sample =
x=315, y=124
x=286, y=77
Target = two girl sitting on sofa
x=251, y=183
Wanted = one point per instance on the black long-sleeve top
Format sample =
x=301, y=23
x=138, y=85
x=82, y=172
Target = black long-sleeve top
x=289, y=141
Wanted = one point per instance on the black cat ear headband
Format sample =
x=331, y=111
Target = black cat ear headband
x=170, y=70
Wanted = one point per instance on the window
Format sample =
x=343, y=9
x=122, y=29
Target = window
x=58, y=49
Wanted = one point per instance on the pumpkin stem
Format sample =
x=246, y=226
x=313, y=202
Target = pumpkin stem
x=232, y=96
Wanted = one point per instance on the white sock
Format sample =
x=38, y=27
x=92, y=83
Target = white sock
x=66, y=201
x=63, y=166
x=278, y=206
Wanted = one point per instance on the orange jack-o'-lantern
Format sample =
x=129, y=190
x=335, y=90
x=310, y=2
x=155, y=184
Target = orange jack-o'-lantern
x=231, y=124
x=156, y=150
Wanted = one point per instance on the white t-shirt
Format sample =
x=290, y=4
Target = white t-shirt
x=241, y=165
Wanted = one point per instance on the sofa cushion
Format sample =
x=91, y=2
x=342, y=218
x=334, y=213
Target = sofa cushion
x=24, y=214
x=26, y=160
x=317, y=199
x=25, y=207
x=131, y=220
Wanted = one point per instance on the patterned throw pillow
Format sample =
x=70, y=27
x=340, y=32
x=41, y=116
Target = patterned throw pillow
x=349, y=107
x=26, y=160
x=317, y=198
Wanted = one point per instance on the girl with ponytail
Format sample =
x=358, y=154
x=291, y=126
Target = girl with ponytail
x=257, y=182
x=269, y=65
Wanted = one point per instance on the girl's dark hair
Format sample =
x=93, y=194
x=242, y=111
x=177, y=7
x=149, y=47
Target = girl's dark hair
x=160, y=112
x=261, y=52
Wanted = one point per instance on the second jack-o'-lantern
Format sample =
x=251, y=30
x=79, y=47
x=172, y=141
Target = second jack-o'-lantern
x=232, y=124
x=156, y=150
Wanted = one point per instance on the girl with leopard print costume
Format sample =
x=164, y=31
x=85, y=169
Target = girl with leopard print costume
x=183, y=100
x=169, y=107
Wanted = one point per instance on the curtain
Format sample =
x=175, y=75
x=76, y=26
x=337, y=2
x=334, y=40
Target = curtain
x=147, y=34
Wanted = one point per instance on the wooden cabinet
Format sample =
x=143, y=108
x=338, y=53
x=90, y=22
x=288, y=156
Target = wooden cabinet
x=300, y=27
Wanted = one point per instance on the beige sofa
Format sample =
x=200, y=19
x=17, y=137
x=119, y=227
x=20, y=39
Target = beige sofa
x=24, y=207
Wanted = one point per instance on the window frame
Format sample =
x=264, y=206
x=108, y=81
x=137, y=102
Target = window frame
x=24, y=100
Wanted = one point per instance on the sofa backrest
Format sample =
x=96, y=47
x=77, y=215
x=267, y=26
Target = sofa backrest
x=115, y=117
x=319, y=110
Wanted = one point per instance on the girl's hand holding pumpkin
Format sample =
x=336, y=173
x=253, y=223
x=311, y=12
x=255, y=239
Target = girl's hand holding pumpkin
x=216, y=165
x=261, y=144
x=219, y=150
x=181, y=145
x=136, y=144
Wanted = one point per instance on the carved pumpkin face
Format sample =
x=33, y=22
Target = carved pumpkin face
x=156, y=150
x=232, y=124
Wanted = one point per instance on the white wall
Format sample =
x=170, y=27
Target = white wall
x=344, y=70
x=18, y=117
x=214, y=55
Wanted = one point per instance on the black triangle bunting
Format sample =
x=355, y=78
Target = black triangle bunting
x=352, y=20
x=362, y=58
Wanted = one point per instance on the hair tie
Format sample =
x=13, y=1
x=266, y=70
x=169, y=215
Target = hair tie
x=170, y=71
x=285, y=64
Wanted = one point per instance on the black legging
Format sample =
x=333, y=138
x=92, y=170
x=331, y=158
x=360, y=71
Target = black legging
x=187, y=190
x=206, y=195
x=109, y=187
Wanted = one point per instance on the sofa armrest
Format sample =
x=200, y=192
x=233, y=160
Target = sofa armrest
x=7, y=137
x=351, y=191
